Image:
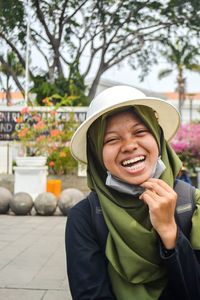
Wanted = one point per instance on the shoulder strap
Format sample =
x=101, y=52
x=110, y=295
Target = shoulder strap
x=98, y=221
x=184, y=210
x=185, y=205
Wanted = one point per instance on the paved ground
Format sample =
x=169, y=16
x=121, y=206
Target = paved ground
x=32, y=258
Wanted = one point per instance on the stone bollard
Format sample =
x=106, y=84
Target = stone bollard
x=5, y=198
x=21, y=204
x=45, y=204
x=68, y=198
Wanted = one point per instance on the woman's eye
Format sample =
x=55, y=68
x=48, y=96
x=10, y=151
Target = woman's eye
x=141, y=131
x=110, y=140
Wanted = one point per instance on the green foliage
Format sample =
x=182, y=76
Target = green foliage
x=182, y=55
x=100, y=33
x=12, y=62
x=46, y=134
x=11, y=14
x=183, y=13
x=65, y=92
x=60, y=162
x=42, y=133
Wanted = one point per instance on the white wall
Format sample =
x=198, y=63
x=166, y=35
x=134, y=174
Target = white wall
x=5, y=158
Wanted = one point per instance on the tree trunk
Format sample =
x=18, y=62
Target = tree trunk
x=93, y=88
x=181, y=91
x=8, y=95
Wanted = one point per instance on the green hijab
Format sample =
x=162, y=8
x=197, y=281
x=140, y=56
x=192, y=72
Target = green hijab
x=135, y=267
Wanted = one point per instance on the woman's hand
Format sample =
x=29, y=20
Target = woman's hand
x=161, y=200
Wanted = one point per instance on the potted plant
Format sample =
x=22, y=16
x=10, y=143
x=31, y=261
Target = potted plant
x=39, y=135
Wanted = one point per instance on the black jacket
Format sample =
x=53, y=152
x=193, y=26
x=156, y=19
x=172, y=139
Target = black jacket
x=87, y=263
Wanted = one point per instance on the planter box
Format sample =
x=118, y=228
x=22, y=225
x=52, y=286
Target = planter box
x=31, y=180
x=31, y=161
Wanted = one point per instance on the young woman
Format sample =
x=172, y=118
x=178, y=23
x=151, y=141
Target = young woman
x=132, y=170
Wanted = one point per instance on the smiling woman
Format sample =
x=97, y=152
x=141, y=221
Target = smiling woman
x=142, y=252
x=130, y=151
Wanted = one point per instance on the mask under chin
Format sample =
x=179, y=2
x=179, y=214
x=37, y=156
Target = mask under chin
x=135, y=190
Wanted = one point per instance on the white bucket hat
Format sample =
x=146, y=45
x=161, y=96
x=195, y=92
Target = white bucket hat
x=120, y=96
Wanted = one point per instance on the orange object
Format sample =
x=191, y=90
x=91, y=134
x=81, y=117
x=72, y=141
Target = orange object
x=54, y=186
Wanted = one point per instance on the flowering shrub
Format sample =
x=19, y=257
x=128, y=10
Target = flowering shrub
x=61, y=162
x=186, y=143
x=43, y=133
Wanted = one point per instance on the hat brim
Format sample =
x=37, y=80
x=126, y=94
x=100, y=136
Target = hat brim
x=168, y=118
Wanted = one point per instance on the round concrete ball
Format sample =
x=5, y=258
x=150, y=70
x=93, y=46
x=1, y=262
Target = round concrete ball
x=5, y=198
x=21, y=204
x=68, y=198
x=45, y=204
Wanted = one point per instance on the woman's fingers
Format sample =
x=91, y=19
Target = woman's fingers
x=158, y=185
x=159, y=194
x=161, y=200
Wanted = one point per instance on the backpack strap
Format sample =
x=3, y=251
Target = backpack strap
x=185, y=205
x=98, y=221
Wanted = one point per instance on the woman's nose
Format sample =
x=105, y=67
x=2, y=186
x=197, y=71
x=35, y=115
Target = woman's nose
x=129, y=145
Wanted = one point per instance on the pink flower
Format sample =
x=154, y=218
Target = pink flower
x=180, y=146
x=40, y=138
x=36, y=118
x=25, y=110
x=53, y=113
x=40, y=125
x=187, y=139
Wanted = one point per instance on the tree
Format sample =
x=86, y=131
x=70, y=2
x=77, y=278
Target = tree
x=12, y=63
x=67, y=92
x=92, y=36
x=11, y=68
x=182, y=55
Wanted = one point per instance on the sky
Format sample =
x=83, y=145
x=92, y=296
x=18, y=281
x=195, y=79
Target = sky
x=125, y=75
x=151, y=82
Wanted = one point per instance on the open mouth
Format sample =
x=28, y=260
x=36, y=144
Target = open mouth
x=134, y=162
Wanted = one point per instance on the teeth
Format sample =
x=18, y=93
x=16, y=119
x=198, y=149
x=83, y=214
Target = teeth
x=133, y=160
x=135, y=167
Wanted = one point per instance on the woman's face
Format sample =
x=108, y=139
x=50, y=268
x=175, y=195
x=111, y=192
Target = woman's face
x=130, y=151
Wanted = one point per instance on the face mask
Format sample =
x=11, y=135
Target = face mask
x=135, y=190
